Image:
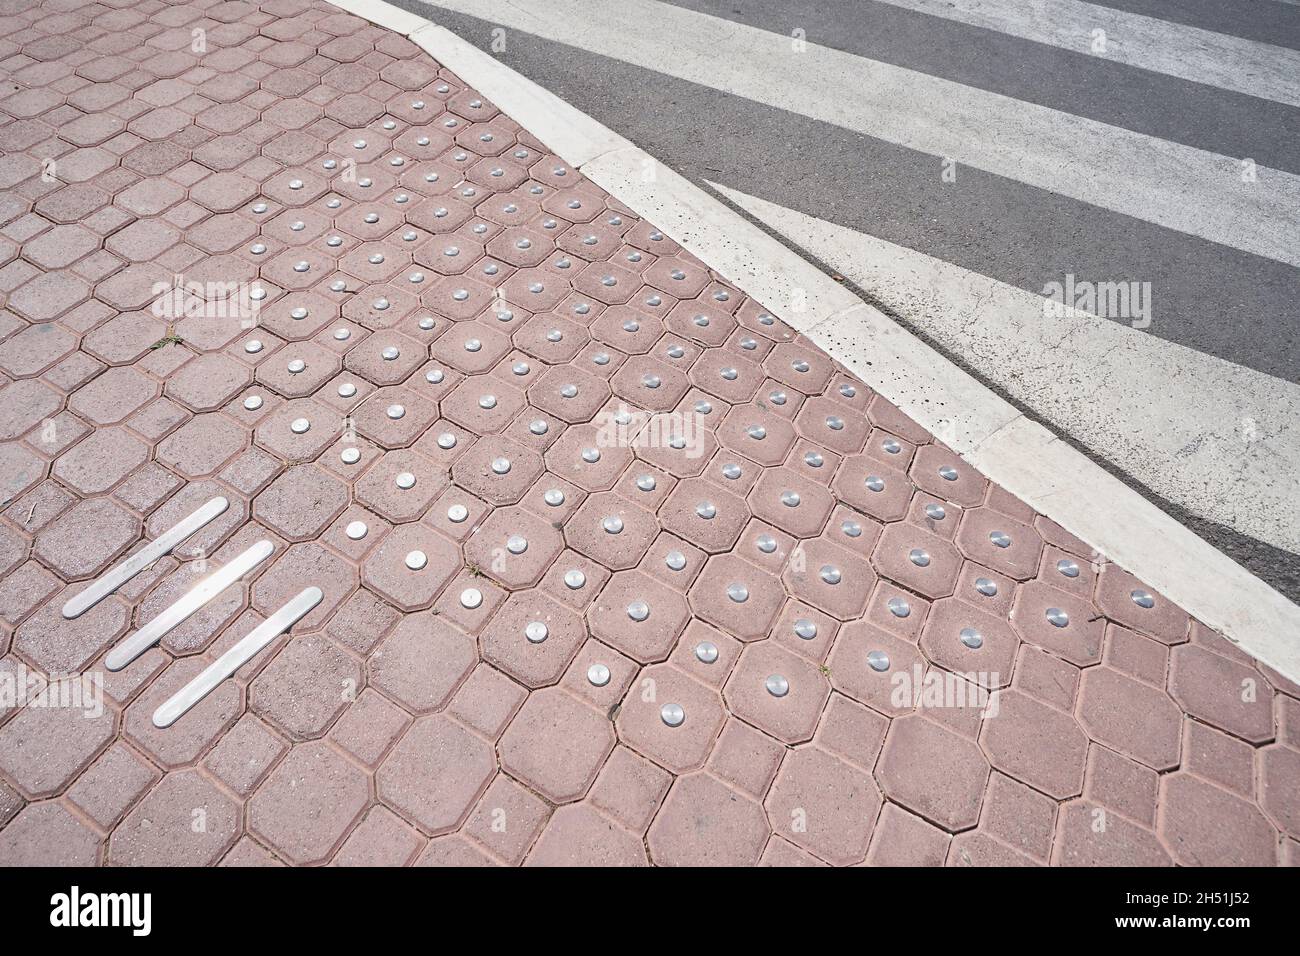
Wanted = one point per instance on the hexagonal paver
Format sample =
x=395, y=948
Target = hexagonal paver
x=435, y=773
x=301, y=503
x=706, y=823
x=184, y=821
x=824, y=805
x=308, y=803
x=933, y=771
x=556, y=744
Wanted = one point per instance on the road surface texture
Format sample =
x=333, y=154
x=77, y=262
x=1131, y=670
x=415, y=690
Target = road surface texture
x=953, y=159
x=758, y=628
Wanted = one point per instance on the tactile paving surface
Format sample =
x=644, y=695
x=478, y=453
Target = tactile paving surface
x=733, y=639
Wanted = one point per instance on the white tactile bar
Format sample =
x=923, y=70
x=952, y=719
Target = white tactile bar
x=235, y=658
x=123, y=571
x=195, y=598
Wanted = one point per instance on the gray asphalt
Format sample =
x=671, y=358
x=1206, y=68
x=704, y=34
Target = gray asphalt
x=1234, y=305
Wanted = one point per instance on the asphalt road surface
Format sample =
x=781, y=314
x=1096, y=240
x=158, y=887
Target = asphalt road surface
x=961, y=161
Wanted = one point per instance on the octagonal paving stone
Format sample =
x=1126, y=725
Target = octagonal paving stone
x=413, y=702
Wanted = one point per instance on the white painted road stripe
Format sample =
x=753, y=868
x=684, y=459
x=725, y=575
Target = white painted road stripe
x=199, y=595
x=1211, y=436
x=1179, y=187
x=244, y=651
x=1190, y=53
x=120, y=573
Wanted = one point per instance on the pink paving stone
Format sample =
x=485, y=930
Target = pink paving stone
x=781, y=853
x=630, y=789
x=1222, y=692
x=1279, y=787
x=487, y=701
x=86, y=537
x=790, y=718
x=933, y=771
x=308, y=803
x=100, y=461
x=824, y=805
x=703, y=822
x=497, y=549
x=244, y=755
x=1119, y=784
x=109, y=787
x=579, y=835
x=1087, y=835
x=1205, y=826
x=305, y=686
x=369, y=727
x=640, y=721
x=977, y=848
x=1218, y=758
x=301, y=503
x=851, y=732
x=47, y=834
x=611, y=616
x=1035, y=743
x=507, y=819
x=1077, y=636
x=943, y=643
x=435, y=773
x=505, y=643
x=750, y=619
x=423, y=660
x=386, y=571
x=890, y=691
x=202, y=445
x=902, y=839
x=184, y=821
x=556, y=744
x=60, y=646
x=43, y=748
x=1133, y=718
x=193, y=733
x=380, y=839
x=1115, y=596
x=1051, y=680
x=112, y=396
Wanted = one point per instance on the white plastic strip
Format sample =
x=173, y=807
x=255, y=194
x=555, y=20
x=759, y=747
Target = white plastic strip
x=235, y=658
x=195, y=598
x=120, y=573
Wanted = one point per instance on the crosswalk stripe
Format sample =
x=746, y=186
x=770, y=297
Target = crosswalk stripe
x=1209, y=435
x=1215, y=197
x=1201, y=56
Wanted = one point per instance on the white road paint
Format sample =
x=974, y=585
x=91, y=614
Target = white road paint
x=1189, y=53
x=1190, y=190
x=1221, y=440
x=1026, y=459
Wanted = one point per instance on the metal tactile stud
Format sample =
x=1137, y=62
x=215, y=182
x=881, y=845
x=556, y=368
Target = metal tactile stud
x=920, y=557
x=553, y=497
x=391, y=354
x=935, y=512
x=574, y=579
x=516, y=544
x=598, y=675
x=851, y=528
x=830, y=574
x=487, y=402
x=446, y=440
x=813, y=459
x=347, y=390
x=874, y=483
x=948, y=473
x=878, y=661
x=356, y=530
x=766, y=543
x=777, y=685
x=675, y=560
x=1000, y=539
x=972, y=638
x=253, y=346
x=612, y=524
x=253, y=402
x=756, y=432
x=805, y=629
x=500, y=466
x=731, y=471
x=891, y=446
x=790, y=499
x=706, y=652
x=1068, y=568
x=638, y=611
x=738, y=592
x=1143, y=599
x=350, y=456
x=591, y=455
x=395, y=411
x=299, y=425
x=672, y=714
x=1057, y=617
x=899, y=607
x=470, y=598
x=706, y=510
x=536, y=632
x=415, y=560
x=405, y=480
x=986, y=586
x=457, y=513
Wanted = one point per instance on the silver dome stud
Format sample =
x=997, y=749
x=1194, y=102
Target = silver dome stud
x=613, y=524
x=1000, y=539
x=471, y=598
x=777, y=685
x=553, y=497
x=598, y=675
x=299, y=425
x=638, y=611
x=536, y=632
x=500, y=466
x=356, y=530
x=1143, y=599
x=920, y=557
x=830, y=574
x=766, y=543
x=986, y=586
x=874, y=483
x=347, y=390
x=1068, y=568
x=395, y=411
x=706, y=510
x=1057, y=617
x=972, y=638
x=253, y=402
x=948, y=473
x=805, y=629
x=790, y=499
x=706, y=652
x=935, y=512
x=350, y=456
x=415, y=560
x=899, y=607
x=675, y=560
x=738, y=592
x=405, y=480
x=574, y=579
x=457, y=513
x=672, y=714
x=878, y=661
x=516, y=544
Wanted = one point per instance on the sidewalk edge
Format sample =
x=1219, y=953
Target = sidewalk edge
x=1022, y=456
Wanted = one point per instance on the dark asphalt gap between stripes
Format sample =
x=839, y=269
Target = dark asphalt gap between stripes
x=1193, y=114
x=1267, y=21
x=994, y=226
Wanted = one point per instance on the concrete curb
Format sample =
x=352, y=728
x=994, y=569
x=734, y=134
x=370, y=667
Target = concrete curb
x=1023, y=457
